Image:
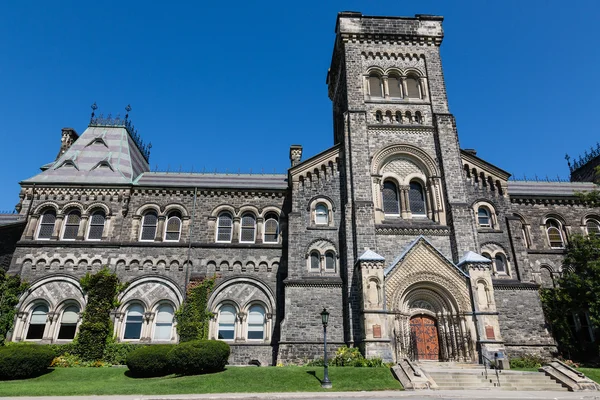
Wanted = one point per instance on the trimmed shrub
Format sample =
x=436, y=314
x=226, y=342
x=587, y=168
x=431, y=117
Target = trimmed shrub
x=199, y=357
x=527, y=361
x=62, y=349
x=150, y=361
x=116, y=353
x=25, y=361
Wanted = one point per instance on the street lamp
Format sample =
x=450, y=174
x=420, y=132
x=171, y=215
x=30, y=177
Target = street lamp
x=326, y=383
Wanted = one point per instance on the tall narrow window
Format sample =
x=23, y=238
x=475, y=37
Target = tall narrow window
x=47, y=225
x=248, y=228
x=555, y=235
x=96, y=228
x=68, y=323
x=321, y=214
x=224, y=227
x=256, y=323
x=416, y=199
x=71, y=225
x=133, y=322
x=593, y=227
x=375, y=87
x=271, y=228
x=395, y=87
x=330, y=261
x=389, y=194
x=164, y=322
x=37, y=323
x=500, y=262
x=227, y=323
x=484, y=218
x=173, y=228
x=149, y=225
x=315, y=261
x=413, y=89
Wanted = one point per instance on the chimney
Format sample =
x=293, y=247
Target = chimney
x=471, y=151
x=69, y=136
x=295, y=154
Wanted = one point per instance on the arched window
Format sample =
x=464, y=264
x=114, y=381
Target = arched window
x=416, y=199
x=413, y=89
x=379, y=116
x=321, y=214
x=555, y=234
x=71, y=225
x=256, y=323
x=593, y=227
x=389, y=194
x=149, y=225
x=486, y=255
x=68, y=323
x=133, y=322
x=375, y=86
x=329, y=261
x=227, y=316
x=395, y=87
x=484, y=217
x=418, y=117
x=500, y=263
x=271, y=234
x=224, y=227
x=248, y=228
x=173, y=228
x=96, y=228
x=37, y=323
x=164, y=322
x=47, y=225
x=315, y=261
x=399, y=117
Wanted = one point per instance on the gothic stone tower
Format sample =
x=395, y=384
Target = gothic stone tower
x=406, y=224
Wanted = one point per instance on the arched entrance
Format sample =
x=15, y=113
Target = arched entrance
x=424, y=337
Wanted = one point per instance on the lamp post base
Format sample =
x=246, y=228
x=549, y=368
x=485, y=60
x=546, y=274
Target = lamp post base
x=326, y=385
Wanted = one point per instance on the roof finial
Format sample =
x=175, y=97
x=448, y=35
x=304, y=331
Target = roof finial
x=94, y=108
x=128, y=108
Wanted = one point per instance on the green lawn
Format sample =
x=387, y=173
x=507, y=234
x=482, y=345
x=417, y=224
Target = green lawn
x=592, y=373
x=107, y=381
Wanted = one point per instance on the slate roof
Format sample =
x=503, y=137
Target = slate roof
x=548, y=189
x=9, y=219
x=101, y=155
x=214, y=181
x=472, y=257
x=370, y=255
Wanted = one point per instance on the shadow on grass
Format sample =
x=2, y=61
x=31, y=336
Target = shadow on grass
x=314, y=373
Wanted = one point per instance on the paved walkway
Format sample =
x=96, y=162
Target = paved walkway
x=426, y=394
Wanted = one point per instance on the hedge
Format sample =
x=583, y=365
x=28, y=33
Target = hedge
x=24, y=361
x=199, y=357
x=150, y=361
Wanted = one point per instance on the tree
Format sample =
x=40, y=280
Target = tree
x=576, y=292
x=11, y=288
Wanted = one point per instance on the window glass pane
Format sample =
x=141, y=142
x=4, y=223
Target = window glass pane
x=247, y=228
x=163, y=331
x=224, y=228
x=321, y=214
x=47, y=225
x=35, y=331
x=173, y=229
x=375, y=86
x=37, y=324
x=271, y=230
x=149, y=226
x=96, y=225
x=164, y=314
x=555, y=237
x=500, y=264
x=412, y=87
x=133, y=323
x=484, y=217
x=416, y=198
x=389, y=195
x=38, y=316
x=72, y=225
x=70, y=315
x=68, y=324
x=394, y=86
x=315, y=261
x=226, y=322
x=67, y=331
x=593, y=228
x=329, y=261
x=256, y=322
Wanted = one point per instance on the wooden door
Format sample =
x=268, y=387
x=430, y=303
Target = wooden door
x=424, y=333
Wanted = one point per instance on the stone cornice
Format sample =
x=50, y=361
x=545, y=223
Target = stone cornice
x=388, y=38
x=314, y=282
x=398, y=230
x=545, y=200
x=405, y=128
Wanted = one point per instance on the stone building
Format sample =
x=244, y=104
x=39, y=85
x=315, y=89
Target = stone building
x=417, y=248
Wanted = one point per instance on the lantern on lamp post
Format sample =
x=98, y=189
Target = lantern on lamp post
x=326, y=383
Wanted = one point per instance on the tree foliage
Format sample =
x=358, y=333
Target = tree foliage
x=11, y=289
x=193, y=317
x=576, y=290
x=102, y=289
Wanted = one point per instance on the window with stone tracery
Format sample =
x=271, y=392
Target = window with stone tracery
x=72, y=221
x=46, y=226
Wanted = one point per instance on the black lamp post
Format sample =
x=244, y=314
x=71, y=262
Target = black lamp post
x=326, y=384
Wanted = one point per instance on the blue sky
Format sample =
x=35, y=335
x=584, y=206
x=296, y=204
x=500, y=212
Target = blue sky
x=230, y=85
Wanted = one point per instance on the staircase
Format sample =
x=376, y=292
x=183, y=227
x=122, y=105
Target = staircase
x=457, y=376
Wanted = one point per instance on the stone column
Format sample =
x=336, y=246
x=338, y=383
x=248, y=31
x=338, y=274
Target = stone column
x=146, y=334
x=32, y=226
x=20, y=326
x=404, y=203
x=386, y=87
x=57, y=226
x=404, y=87
x=424, y=91
x=82, y=227
x=260, y=226
x=235, y=235
x=160, y=229
x=135, y=228
x=239, y=329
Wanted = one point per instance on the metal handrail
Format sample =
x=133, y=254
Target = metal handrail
x=495, y=368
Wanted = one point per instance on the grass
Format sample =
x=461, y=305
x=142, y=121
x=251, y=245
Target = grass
x=592, y=373
x=113, y=381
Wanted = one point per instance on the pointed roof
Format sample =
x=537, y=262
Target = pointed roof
x=472, y=257
x=370, y=255
x=411, y=246
x=101, y=155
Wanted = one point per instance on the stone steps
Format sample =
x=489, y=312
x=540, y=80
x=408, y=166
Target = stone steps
x=452, y=377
